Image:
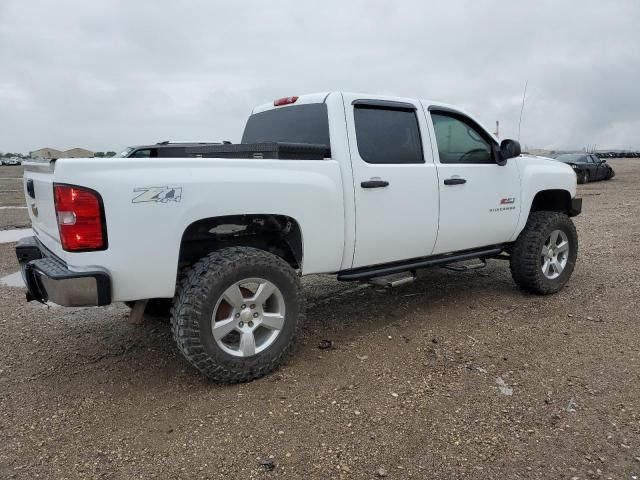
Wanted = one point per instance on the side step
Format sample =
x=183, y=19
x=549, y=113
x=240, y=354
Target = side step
x=411, y=265
x=464, y=268
x=393, y=280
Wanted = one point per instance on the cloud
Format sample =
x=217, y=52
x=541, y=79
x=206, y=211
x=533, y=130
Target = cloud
x=108, y=74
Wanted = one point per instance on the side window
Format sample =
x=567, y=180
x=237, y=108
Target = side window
x=459, y=142
x=172, y=152
x=387, y=135
x=146, y=153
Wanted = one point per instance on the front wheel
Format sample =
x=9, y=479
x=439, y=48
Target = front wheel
x=584, y=178
x=236, y=314
x=544, y=254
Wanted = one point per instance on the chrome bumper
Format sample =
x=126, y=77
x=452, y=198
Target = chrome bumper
x=48, y=279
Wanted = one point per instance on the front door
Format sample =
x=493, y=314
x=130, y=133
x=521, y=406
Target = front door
x=479, y=199
x=598, y=171
x=395, y=180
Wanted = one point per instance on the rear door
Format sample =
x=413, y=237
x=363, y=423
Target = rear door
x=479, y=199
x=395, y=180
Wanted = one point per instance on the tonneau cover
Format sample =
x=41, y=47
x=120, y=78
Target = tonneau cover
x=271, y=150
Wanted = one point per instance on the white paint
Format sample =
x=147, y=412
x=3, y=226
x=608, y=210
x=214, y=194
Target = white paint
x=10, y=236
x=342, y=225
x=11, y=178
x=503, y=387
x=12, y=280
x=8, y=208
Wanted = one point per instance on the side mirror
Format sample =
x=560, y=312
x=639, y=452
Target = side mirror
x=508, y=149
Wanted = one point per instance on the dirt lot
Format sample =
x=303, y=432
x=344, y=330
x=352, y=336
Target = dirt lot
x=11, y=195
x=416, y=386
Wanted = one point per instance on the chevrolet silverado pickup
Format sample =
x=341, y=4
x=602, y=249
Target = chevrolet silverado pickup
x=365, y=187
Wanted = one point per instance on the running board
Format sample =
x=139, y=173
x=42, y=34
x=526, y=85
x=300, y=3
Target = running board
x=394, y=280
x=364, y=273
x=464, y=268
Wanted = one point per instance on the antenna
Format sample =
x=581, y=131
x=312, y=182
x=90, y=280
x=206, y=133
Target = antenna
x=522, y=108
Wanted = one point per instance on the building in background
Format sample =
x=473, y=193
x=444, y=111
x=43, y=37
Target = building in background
x=46, y=152
x=77, y=153
x=52, y=153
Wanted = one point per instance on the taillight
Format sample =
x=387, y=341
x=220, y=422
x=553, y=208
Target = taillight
x=284, y=101
x=80, y=218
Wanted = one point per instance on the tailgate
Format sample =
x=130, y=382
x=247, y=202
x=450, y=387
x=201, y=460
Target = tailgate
x=38, y=191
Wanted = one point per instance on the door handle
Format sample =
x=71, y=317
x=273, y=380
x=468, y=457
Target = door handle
x=455, y=181
x=374, y=184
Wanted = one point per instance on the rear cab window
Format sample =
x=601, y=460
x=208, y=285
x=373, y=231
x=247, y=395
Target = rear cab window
x=307, y=123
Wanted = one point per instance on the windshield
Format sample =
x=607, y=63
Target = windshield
x=125, y=152
x=569, y=158
x=296, y=124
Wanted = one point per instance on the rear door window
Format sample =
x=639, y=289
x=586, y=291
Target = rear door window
x=172, y=152
x=387, y=135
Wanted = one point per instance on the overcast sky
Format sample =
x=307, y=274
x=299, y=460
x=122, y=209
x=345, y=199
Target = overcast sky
x=106, y=74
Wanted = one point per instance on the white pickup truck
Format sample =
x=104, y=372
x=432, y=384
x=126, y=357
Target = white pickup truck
x=361, y=186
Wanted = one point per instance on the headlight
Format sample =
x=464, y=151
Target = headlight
x=575, y=167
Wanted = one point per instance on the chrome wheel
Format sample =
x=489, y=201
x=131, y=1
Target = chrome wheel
x=555, y=254
x=248, y=317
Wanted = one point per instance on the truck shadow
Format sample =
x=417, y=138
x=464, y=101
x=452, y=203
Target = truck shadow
x=94, y=347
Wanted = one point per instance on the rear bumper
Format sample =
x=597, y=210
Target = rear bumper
x=576, y=207
x=49, y=279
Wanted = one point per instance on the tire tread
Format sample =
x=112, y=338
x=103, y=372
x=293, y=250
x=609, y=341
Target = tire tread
x=188, y=308
x=525, y=255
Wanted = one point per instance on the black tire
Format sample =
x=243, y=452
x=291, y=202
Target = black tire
x=526, y=252
x=197, y=296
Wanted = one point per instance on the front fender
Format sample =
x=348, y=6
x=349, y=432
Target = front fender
x=537, y=175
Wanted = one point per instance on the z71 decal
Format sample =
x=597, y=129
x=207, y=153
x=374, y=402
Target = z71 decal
x=157, y=194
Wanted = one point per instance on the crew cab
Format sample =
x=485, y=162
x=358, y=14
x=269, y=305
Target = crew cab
x=366, y=187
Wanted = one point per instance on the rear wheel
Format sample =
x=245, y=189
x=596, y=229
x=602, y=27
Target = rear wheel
x=236, y=314
x=544, y=255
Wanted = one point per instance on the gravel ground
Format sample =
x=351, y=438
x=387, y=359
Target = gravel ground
x=457, y=375
x=11, y=195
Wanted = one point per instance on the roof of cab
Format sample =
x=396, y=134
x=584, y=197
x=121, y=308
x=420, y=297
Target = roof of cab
x=322, y=97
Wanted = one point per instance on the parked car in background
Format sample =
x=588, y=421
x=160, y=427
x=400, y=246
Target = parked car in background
x=12, y=161
x=588, y=167
x=166, y=149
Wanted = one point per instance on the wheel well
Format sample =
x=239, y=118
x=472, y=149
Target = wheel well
x=277, y=234
x=552, y=200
